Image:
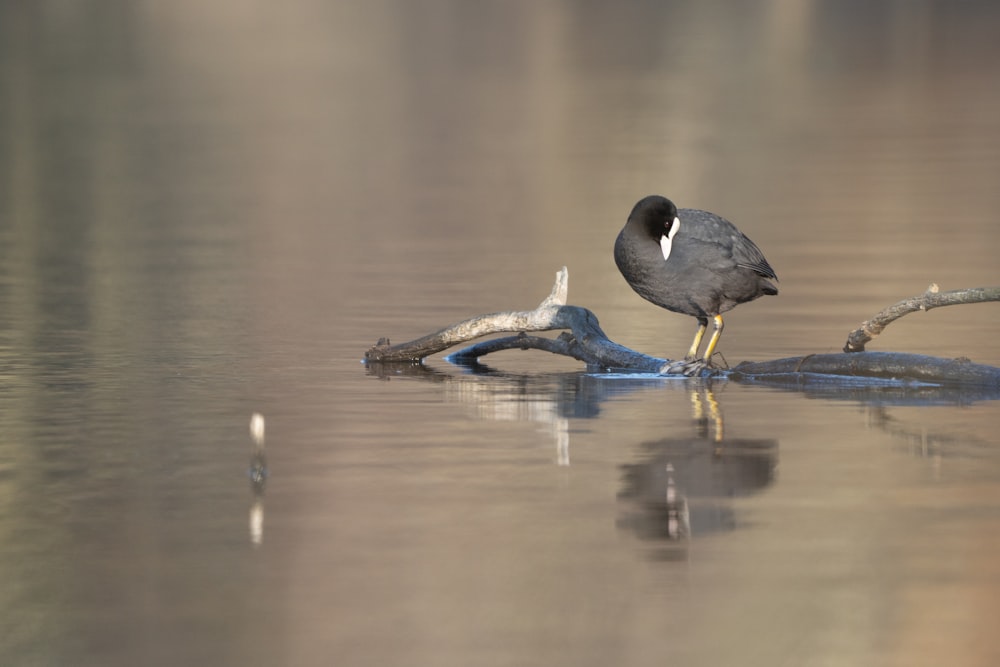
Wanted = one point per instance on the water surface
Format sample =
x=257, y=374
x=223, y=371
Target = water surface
x=207, y=211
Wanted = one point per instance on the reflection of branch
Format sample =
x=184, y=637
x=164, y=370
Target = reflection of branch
x=926, y=443
x=932, y=298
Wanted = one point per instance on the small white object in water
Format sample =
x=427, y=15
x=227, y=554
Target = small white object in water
x=257, y=522
x=257, y=428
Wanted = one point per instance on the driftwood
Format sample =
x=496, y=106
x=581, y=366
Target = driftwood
x=584, y=340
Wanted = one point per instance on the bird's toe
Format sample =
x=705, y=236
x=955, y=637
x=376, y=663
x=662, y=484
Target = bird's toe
x=687, y=367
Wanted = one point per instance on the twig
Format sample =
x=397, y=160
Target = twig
x=932, y=298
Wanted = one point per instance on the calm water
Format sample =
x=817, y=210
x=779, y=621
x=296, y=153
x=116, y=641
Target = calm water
x=212, y=209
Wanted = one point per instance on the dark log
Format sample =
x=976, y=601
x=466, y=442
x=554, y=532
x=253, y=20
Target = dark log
x=889, y=366
x=595, y=351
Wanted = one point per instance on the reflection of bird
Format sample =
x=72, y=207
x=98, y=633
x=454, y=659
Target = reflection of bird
x=691, y=262
x=685, y=486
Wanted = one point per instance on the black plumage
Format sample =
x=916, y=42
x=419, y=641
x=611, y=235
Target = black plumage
x=691, y=262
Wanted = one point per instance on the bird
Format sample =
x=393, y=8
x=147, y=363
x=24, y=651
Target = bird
x=692, y=262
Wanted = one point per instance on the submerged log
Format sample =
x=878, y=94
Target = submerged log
x=888, y=366
x=584, y=340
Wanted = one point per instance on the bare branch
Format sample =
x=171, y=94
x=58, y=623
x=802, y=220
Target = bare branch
x=547, y=316
x=932, y=298
x=522, y=341
x=594, y=350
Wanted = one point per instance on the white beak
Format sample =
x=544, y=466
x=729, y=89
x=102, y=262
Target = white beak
x=667, y=240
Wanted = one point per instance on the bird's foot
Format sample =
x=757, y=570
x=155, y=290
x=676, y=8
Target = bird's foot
x=687, y=367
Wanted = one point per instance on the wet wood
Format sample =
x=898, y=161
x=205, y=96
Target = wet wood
x=552, y=313
x=889, y=366
x=583, y=339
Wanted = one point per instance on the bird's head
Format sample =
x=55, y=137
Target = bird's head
x=656, y=217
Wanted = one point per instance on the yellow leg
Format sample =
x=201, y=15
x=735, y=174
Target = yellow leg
x=693, y=352
x=714, y=340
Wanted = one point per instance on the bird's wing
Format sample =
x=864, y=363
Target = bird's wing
x=710, y=228
x=748, y=255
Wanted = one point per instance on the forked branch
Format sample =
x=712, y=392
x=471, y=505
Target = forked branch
x=548, y=315
x=584, y=341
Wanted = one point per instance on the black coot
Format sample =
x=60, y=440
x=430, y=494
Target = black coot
x=691, y=262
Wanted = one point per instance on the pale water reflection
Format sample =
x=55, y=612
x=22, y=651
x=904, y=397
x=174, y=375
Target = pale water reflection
x=209, y=210
x=258, y=477
x=834, y=542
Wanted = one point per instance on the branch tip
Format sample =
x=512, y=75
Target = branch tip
x=560, y=290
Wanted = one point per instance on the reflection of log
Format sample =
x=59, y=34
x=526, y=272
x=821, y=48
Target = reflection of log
x=932, y=298
x=586, y=342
